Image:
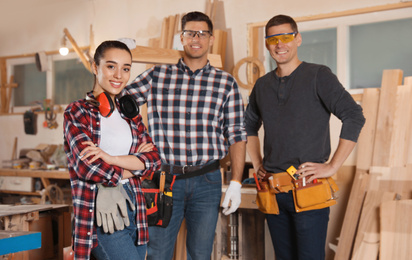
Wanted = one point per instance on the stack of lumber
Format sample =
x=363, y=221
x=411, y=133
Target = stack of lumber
x=377, y=223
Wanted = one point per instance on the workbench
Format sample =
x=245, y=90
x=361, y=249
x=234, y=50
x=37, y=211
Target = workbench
x=43, y=175
x=52, y=220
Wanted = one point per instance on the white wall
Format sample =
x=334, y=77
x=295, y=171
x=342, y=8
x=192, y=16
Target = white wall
x=29, y=26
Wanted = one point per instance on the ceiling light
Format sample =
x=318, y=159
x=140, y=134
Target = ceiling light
x=63, y=49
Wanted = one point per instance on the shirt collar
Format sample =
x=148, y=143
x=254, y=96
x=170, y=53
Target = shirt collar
x=182, y=65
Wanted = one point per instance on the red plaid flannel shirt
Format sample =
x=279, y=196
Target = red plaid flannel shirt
x=82, y=123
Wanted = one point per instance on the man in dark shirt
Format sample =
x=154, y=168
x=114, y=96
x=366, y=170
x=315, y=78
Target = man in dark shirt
x=294, y=103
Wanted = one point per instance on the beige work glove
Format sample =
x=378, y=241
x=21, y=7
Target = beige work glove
x=111, y=208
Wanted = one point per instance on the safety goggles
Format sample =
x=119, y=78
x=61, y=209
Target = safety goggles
x=200, y=34
x=283, y=37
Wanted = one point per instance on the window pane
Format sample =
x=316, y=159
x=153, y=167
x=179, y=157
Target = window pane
x=71, y=80
x=31, y=85
x=379, y=46
x=318, y=46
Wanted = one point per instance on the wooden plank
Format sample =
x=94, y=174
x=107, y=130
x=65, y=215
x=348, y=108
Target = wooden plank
x=208, y=8
x=408, y=82
x=396, y=230
x=352, y=214
x=3, y=89
x=395, y=179
x=386, y=111
x=370, y=103
x=368, y=236
x=213, y=11
x=254, y=45
x=153, y=43
x=177, y=23
x=171, y=31
x=164, y=33
x=399, y=143
x=142, y=54
x=219, y=45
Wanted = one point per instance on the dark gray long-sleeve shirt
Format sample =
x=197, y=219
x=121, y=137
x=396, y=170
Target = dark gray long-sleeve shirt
x=295, y=111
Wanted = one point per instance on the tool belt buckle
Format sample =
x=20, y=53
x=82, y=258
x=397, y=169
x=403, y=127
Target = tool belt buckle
x=184, y=169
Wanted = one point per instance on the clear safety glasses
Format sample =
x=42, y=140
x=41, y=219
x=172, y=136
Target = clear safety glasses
x=200, y=34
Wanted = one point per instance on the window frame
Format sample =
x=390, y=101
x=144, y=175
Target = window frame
x=339, y=20
x=343, y=24
x=50, y=91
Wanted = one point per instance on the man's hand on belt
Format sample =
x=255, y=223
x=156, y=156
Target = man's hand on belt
x=233, y=195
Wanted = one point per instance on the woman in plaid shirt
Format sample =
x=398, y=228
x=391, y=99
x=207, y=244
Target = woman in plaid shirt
x=108, y=154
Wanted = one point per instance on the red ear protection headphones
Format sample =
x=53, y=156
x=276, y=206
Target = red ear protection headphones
x=106, y=106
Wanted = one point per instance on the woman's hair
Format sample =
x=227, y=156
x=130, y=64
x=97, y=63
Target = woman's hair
x=197, y=17
x=279, y=20
x=106, y=45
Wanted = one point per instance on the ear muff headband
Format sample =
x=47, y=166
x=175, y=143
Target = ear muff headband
x=129, y=106
x=106, y=105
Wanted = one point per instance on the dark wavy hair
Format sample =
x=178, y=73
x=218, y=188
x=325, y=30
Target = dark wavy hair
x=279, y=20
x=197, y=17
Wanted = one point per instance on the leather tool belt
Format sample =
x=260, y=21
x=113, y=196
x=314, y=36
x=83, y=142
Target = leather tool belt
x=189, y=171
x=308, y=196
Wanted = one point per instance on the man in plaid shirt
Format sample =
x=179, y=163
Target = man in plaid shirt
x=195, y=115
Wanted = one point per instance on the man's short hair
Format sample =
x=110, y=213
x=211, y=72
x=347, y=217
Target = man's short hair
x=197, y=17
x=279, y=20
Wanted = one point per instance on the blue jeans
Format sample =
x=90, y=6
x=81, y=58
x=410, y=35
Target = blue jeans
x=196, y=199
x=298, y=235
x=121, y=244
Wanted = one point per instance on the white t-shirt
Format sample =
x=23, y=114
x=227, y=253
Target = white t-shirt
x=116, y=136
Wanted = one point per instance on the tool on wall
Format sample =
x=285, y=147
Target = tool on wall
x=50, y=114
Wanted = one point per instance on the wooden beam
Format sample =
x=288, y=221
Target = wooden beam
x=142, y=54
x=386, y=113
x=79, y=52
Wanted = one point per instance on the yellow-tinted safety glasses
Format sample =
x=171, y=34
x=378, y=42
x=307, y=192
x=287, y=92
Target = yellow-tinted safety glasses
x=283, y=37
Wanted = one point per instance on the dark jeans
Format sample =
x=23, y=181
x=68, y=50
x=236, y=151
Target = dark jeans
x=298, y=235
x=196, y=199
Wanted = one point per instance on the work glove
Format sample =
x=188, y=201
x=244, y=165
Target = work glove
x=111, y=208
x=232, y=195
